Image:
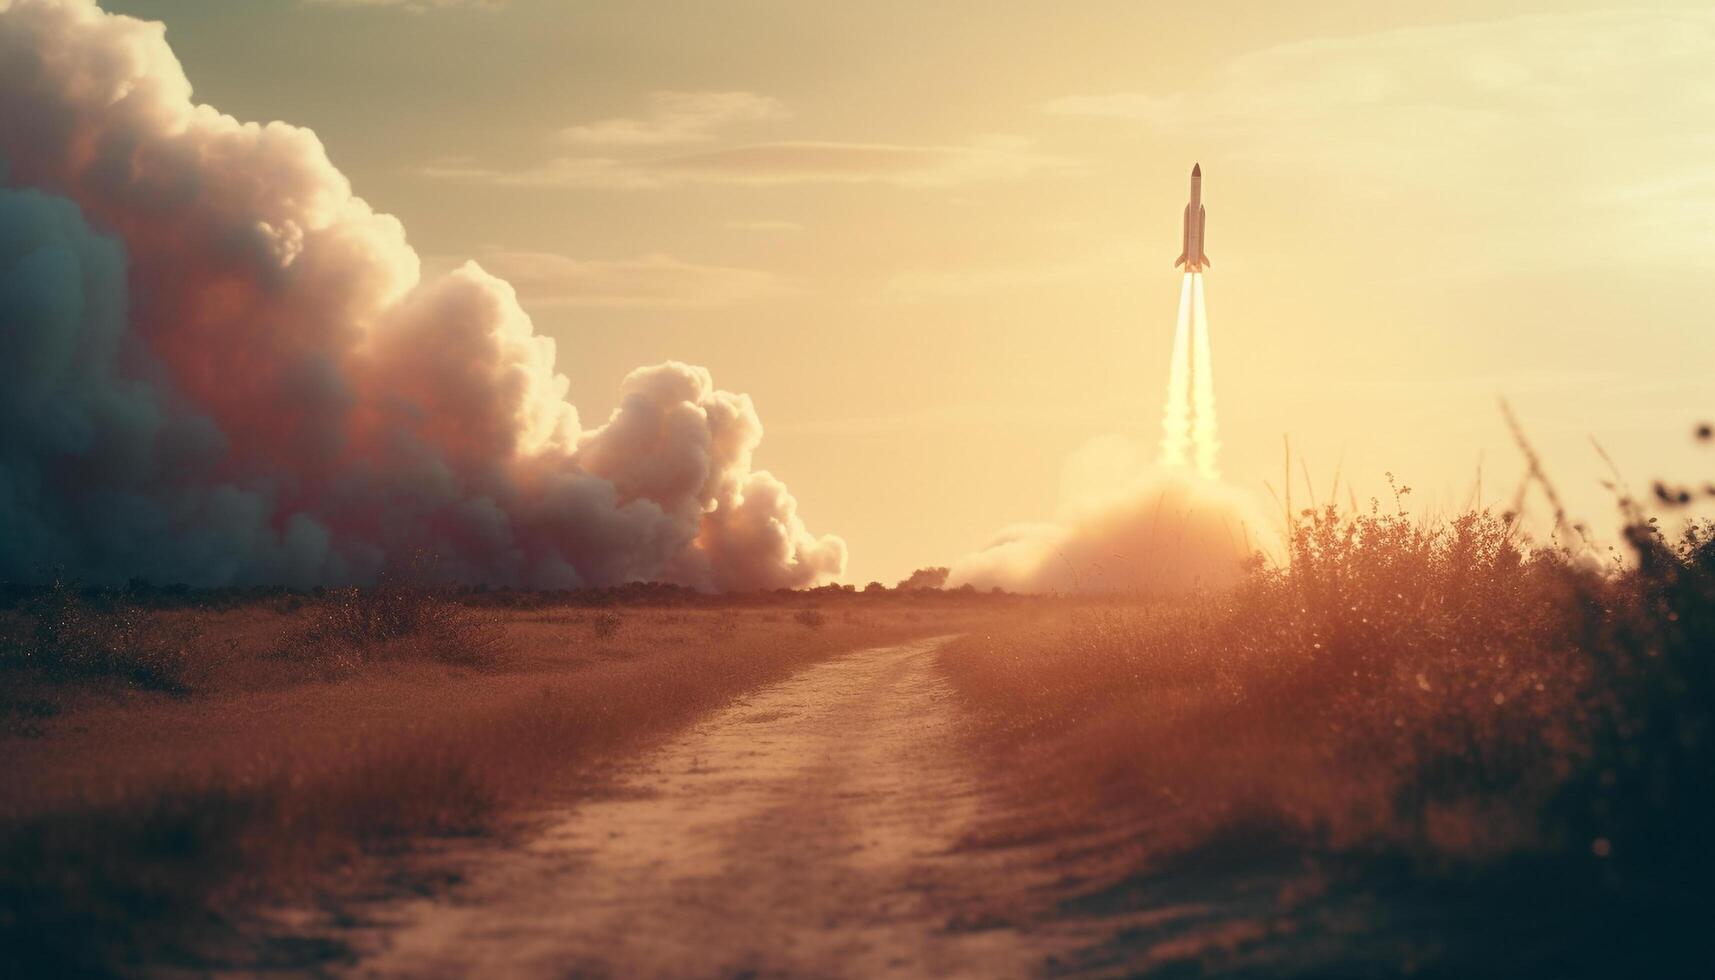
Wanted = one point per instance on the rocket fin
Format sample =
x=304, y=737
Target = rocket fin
x=1180, y=260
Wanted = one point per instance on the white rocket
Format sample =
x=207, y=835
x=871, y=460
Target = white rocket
x=1192, y=256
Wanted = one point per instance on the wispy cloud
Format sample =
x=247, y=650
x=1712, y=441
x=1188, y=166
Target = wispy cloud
x=678, y=117
x=1470, y=95
x=778, y=163
x=411, y=6
x=548, y=279
x=1550, y=121
x=923, y=285
x=765, y=226
x=656, y=149
x=963, y=417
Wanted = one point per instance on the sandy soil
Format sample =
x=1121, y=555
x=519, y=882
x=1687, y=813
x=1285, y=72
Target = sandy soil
x=815, y=828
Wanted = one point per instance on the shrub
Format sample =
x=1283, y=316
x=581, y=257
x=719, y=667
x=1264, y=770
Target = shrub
x=395, y=622
x=62, y=635
x=1447, y=697
x=607, y=623
x=809, y=618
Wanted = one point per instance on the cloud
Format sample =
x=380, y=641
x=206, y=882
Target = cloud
x=546, y=279
x=1570, y=129
x=221, y=367
x=1123, y=526
x=768, y=226
x=936, y=284
x=956, y=419
x=411, y=6
x=678, y=117
x=778, y=163
x=1403, y=92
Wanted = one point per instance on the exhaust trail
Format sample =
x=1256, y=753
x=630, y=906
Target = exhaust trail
x=1204, y=434
x=1188, y=432
x=1190, y=435
x=1176, y=413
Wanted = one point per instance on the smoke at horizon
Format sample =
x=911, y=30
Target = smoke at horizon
x=1128, y=526
x=1124, y=525
x=222, y=367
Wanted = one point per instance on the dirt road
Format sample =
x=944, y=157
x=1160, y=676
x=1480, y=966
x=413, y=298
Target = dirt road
x=812, y=829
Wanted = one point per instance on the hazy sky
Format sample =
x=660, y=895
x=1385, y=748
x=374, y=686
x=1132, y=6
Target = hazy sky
x=934, y=241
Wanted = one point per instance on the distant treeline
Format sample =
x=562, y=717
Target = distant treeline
x=924, y=584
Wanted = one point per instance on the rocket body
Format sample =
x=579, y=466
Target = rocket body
x=1191, y=254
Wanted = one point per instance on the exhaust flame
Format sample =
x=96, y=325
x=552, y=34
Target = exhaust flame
x=1189, y=433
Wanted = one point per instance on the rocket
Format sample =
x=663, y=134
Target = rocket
x=1192, y=256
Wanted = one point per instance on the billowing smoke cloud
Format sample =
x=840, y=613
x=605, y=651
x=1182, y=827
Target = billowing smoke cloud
x=219, y=366
x=1123, y=527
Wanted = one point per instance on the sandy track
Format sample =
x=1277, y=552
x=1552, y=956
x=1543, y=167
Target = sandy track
x=811, y=829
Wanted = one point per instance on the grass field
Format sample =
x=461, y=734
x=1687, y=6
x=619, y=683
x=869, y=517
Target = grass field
x=168, y=769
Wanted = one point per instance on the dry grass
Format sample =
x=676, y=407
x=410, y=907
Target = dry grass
x=1480, y=723
x=136, y=823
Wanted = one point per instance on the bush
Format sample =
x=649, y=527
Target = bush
x=809, y=618
x=606, y=624
x=395, y=622
x=62, y=635
x=726, y=623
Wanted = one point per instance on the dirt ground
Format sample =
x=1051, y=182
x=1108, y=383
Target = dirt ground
x=141, y=830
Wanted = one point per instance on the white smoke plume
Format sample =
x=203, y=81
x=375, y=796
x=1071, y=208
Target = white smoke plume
x=1123, y=527
x=1128, y=527
x=1204, y=433
x=1176, y=412
x=218, y=366
x=1189, y=435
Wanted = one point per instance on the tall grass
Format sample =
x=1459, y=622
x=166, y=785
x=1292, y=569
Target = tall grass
x=1444, y=695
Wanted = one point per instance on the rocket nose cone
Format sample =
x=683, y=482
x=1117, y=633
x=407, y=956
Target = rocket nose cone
x=1196, y=170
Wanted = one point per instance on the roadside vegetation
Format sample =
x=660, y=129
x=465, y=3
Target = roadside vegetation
x=1434, y=748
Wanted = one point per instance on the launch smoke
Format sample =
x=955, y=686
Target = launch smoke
x=219, y=366
x=1122, y=527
